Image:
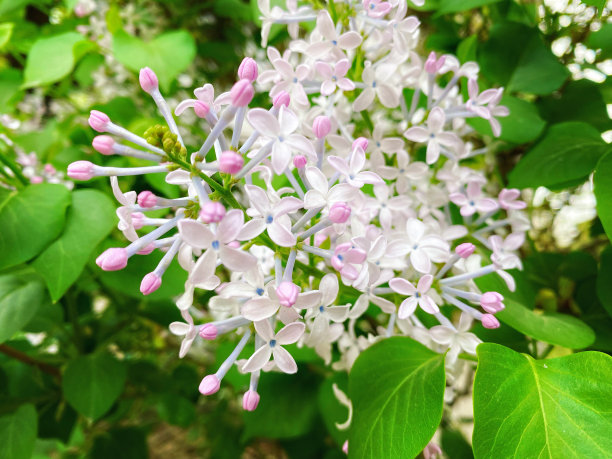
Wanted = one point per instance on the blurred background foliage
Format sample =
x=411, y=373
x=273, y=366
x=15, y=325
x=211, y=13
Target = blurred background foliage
x=87, y=365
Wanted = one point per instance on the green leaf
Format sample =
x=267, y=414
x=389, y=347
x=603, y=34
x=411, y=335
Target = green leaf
x=6, y=30
x=560, y=329
x=120, y=443
x=287, y=408
x=567, y=154
x=31, y=219
x=604, y=278
x=546, y=408
x=467, y=49
x=18, y=433
x=92, y=383
x=521, y=126
x=602, y=39
x=397, y=390
x=168, y=54
x=21, y=296
x=51, y=58
x=453, y=6
x=579, y=101
x=603, y=192
x=516, y=57
x=332, y=411
x=90, y=218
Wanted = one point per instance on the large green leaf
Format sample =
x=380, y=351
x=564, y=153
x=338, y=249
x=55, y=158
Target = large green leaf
x=602, y=39
x=90, y=218
x=556, y=408
x=565, y=156
x=92, y=383
x=18, y=433
x=52, y=58
x=554, y=328
x=604, y=280
x=397, y=390
x=31, y=219
x=21, y=295
x=603, y=192
x=168, y=54
x=523, y=125
x=453, y=6
x=516, y=57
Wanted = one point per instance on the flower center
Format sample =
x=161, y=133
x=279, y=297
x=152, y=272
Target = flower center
x=335, y=42
x=259, y=291
x=272, y=343
x=215, y=245
x=321, y=309
x=269, y=219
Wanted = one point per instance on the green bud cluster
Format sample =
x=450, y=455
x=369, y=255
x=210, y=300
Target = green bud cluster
x=161, y=137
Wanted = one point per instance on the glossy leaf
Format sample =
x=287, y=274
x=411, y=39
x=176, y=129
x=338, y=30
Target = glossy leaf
x=92, y=383
x=21, y=295
x=18, y=433
x=51, y=58
x=516, y=57
x=560, y=329
x=397, y=390
x=542, y=408
x=90, y=218
x=603, y=192
x=31, y=219
x=566, y=155
x=604, y=280
x=176, y=46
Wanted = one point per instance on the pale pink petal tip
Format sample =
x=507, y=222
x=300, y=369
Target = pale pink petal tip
x=147, y=199
x=103, y=144
x=208, y=331
x=112, y=259
x=148, y=80
x=321, y=126
x=201, y=109
x=242, y=93
x=339, y=212
x=147, y=249
x=81, y=170
x=345, y=447
x=36, y=179
x=230, y=162
x=150, y=283
x=212, y=212
x=282, y=98
x=287, y=293
x=361, y=142
x=465, y=250
x=248, y=69
x=492, y=302
x=98, y=120
x=300, y=161
x=489, y=321
x=250, y=400
x=209, y=385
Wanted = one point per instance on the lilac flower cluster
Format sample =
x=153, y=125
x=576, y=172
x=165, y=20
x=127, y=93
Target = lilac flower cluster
x=360, y=187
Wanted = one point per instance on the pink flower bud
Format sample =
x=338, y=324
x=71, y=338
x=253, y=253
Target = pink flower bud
x=465, y=250
x=148, y=80
x=81, y=170
x=147, y=249
x=432, y=451
x=492, y=302
x=250, y=400
x=36, y=179
x=147, y=199
x=360, y=142
x=80, y=10
x=201, y=109
x=98, y=120
x=209, y=385
x=103, y=144
x=49, y=169
x=433, y=65
x=138, y=220
x=242, y=93
x=282, y=98
x=300, y=161
x=230, y=162
x=489, y=321
x=150, y=283
x=287, y=293
x=345, y=447
x=208, y=331
x=339, y=212
x=112, y=259
x=212, y=212
x=321, y=126
x=248, y=69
